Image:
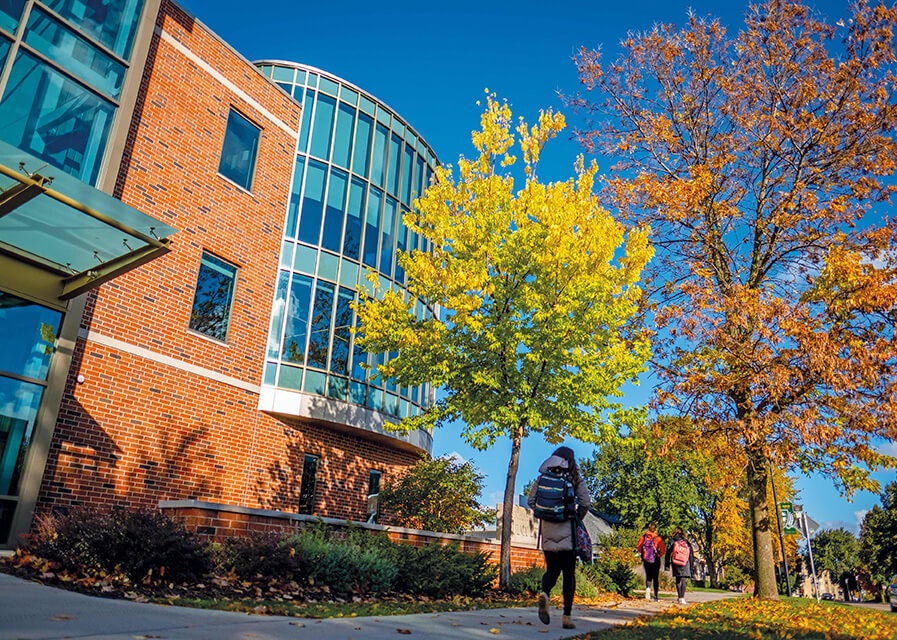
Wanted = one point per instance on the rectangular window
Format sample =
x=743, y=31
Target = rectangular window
x=354, y=213
x=277, y=314
x=373, y=492
x=296, y=327
x=361, y=151
x=378, y=162
x=312, y=203
x=319, y=341
x=306, y=120
x=295, y=198
x=239, y=151
x=372, y=228
x=214, y=295
x=342, y=332
x=395, y=159
x=54, y=118
x=74, y=53
x=333, y=212
x=112, y=23
x=309, y=484
x=321, y=131
x=386, y=245
x=342, y=143
x=10, y=12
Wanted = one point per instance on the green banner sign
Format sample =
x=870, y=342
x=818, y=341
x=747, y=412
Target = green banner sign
x=789, y=521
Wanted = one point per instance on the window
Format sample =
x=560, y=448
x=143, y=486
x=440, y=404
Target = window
x=241, y=143
x=54, y=118
x=373, y=492
x=214, y=294
x=309, y=482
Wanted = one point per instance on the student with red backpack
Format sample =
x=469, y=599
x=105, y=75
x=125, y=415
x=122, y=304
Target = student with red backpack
x=680, y=557
x=651, y=549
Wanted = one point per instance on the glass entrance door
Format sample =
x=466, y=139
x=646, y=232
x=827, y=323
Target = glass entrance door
x=28, y=334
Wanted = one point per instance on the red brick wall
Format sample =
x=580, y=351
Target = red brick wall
x=138, y=430
x=218, y=524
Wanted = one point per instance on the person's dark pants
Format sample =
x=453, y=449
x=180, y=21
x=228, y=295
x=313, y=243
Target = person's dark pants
x=681, y=583
x=652, y=575
x=555, y=562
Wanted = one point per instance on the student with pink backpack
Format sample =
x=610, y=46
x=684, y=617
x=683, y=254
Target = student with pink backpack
x=680, y=557
x=650, y=549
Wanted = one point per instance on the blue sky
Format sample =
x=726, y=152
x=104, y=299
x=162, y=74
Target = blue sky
x=431, y=62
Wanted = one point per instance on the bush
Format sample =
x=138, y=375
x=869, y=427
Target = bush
x=526, y=582
x=260, y=555
x=142, y=544
x=352, y=566
x=437, y=571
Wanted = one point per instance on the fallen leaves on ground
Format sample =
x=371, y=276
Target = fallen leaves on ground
x=749, y=619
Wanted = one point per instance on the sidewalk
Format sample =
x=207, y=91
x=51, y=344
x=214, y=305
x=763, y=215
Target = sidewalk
x=32, y=611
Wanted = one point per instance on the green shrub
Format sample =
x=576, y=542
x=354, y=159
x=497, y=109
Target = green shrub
x=341, y=566
x=610, y=574
x=526, y=582
x=437, y=571
x=142, y=544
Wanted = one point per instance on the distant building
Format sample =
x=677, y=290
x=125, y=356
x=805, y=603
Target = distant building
x=175, y=319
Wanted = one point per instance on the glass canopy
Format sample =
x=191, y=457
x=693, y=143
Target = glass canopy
x=55, y=221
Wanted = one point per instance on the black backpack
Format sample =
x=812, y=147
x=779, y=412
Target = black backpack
x=555, y=497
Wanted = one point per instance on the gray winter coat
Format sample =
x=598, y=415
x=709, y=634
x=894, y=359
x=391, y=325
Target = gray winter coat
x=558, y=536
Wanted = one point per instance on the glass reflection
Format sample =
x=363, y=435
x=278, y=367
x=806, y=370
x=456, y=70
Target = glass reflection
x=112, y=23
x=74, y=53
x=28, y=339
x=312, y=203
x=319, y=342
x=333, y=214
x=54, y=118
x=296, y=329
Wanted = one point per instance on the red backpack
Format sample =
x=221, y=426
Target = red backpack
x=681, y=552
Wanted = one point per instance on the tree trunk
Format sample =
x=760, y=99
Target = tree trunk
x=504, y=576
x=764, y=566
x=710, y=558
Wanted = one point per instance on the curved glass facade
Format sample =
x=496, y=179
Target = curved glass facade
x=358, y=169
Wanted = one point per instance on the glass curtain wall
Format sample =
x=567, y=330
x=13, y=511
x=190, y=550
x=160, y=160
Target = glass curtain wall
x=63, y=66
x=358, y=170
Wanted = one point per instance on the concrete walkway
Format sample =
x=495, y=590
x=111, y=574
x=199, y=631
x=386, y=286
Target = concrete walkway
x=32, y=611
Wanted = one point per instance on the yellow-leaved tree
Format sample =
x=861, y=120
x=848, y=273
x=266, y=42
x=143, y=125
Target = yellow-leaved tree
x=538, y=298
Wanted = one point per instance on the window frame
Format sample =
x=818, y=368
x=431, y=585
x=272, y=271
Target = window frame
x=234, y=111
x=230, y=302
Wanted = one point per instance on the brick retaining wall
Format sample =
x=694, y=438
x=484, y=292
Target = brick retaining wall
x=220, y=521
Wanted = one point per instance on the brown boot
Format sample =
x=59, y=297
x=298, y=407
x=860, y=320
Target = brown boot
x=567, y=622
x=543, y=608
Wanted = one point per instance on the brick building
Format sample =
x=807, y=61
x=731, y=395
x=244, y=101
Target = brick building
x=188, y=339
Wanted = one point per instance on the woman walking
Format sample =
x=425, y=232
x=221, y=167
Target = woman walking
x=680, y=557
x=557, y=537
x=650, y=549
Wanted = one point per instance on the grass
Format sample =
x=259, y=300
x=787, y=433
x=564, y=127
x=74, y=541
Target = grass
x=707, y=589
x=749, y=619
x=340, y=609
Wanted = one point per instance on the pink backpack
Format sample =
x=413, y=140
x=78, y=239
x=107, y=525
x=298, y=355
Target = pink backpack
x=681, y=552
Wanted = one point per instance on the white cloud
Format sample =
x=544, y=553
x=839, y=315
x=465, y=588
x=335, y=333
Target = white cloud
x=455, y=457
x=889, y=448
x=859, y=516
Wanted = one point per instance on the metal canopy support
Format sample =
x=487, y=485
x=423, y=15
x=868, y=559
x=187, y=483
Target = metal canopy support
x=81, y=282
x=16, y=196
x=73, y=283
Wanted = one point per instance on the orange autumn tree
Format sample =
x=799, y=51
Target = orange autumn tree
x=759, y=160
